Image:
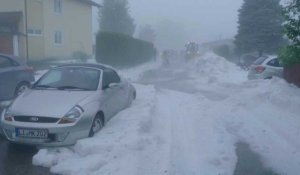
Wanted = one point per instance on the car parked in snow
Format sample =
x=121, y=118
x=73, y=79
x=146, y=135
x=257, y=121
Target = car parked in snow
x=266, y=67
x=68, y=103
x=15, y=77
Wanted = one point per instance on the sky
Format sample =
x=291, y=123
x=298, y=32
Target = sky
x=202, y=20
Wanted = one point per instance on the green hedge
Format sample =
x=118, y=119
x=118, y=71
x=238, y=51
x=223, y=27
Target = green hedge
x=290, y=56
x=120, y=50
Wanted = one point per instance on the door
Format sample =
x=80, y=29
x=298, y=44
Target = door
x=274, y=68
x=6, y=44
x=112, y=94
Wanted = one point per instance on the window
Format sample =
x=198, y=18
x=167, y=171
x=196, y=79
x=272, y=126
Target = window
x=51, y=78
x=274, y=63
x=58, y=37
x=57, y=6
x=34, y=32
x=5, y=62
x=110, y=76
x=260, y=60
x=70, y=78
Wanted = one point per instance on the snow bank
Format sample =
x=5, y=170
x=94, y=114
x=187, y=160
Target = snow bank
x=265, y=114
x=133, y=74
x=211, y=68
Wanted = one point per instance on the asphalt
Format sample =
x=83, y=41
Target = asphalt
x=17, y=159
x=249, y=162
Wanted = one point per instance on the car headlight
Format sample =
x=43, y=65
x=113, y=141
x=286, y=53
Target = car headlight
x=8, y=115
x=72, y=116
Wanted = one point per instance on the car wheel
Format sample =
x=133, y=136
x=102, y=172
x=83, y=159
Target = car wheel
x=132, y=97
x=21, y=88
x=97, y=125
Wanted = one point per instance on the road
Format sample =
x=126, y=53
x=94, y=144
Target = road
x=17, y=160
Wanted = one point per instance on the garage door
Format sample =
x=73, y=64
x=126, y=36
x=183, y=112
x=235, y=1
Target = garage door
x=6, y=44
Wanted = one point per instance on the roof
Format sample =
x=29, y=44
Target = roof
x=10, y=17
x=90, y=65
x=90, y=2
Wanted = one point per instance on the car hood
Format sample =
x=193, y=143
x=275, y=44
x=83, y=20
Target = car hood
x=47, y=103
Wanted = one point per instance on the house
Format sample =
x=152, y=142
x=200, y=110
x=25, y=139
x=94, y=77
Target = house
x=41, y=29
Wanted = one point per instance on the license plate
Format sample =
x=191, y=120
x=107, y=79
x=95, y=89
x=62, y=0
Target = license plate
x=32, y=133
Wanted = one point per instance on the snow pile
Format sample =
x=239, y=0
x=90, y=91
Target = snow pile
x=265, y=114
x=133, y=74
x=211, y=68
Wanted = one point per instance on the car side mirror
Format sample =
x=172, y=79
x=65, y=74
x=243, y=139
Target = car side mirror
x=112, y=85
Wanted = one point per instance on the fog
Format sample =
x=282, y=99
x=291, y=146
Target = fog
x=201, y=20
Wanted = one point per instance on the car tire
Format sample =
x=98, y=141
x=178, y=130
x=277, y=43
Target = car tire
x=132, y=97
x=21, y=88
x=97, y=125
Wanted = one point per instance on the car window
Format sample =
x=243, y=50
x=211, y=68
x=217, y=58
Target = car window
x=51, y=78
x=70, y=78
x=5, y=62
x=274, y=62
x=260, y=60
x=110, y=76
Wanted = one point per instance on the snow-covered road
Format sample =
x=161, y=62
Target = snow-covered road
x=186, y=121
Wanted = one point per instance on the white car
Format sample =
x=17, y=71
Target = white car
x=266, y=67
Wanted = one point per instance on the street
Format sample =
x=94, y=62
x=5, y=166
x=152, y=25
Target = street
x=17, y=160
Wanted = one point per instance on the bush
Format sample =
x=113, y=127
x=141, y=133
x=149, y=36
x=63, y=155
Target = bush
x=290, y=56
x=120, y=50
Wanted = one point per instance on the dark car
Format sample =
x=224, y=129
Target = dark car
x=15, y=76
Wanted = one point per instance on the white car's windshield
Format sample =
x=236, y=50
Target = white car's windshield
x=70, y=78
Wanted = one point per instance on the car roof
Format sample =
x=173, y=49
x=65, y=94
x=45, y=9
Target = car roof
x=15, y=58
x=270, y=57
x=88, y=65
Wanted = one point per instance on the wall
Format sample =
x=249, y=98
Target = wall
x=75, y=22
x=292, y=74
x=35, y=14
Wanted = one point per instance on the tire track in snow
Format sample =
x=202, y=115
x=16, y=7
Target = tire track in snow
x=191, y=143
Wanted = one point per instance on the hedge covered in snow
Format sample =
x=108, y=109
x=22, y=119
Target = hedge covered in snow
x=122, y=51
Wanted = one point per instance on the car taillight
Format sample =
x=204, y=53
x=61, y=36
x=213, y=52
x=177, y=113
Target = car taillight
x=260, y=69
x=29, y=69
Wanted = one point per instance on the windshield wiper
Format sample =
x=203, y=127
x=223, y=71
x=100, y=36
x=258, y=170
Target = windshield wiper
x=45, y=86
x=71, y=88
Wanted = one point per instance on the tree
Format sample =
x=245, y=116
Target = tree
x=114, y=17
x=291, y=54
x=147, y=33
x=260, y=27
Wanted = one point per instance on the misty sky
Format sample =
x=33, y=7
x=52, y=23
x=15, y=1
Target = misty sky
x=203, y=20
